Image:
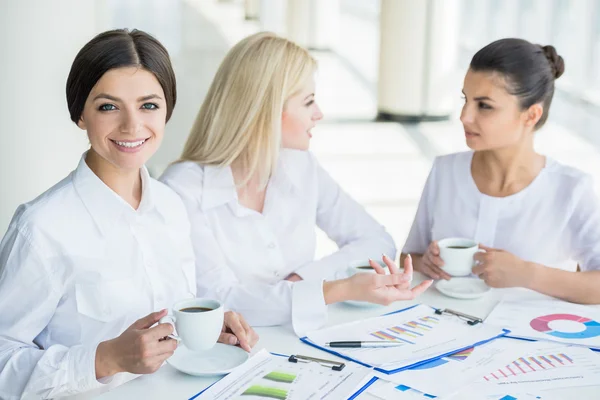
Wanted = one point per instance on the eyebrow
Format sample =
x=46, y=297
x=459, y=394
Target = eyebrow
x=480, y=98
x=113, y=98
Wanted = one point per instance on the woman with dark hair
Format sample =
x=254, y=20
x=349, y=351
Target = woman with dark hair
x=84, y=265
x=535, y=219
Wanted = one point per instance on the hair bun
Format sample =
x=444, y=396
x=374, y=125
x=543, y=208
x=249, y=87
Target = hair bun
x=557, y=63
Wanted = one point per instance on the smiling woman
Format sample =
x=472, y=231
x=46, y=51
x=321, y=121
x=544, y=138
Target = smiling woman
x=104, y=252
x=121, y=90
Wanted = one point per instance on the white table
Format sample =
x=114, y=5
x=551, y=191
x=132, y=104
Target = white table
x=168, y=383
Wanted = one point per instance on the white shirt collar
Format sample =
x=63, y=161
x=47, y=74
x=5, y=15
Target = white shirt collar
x=104, y=205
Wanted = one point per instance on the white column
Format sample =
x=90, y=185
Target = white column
x=418, y=77
x=314, y=24
x=273, y=16
x=39, y=145
x=325, y=24
x=252, y=9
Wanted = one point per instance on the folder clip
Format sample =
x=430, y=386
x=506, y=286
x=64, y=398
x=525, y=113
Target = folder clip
x=334, y=365
x=471, y=320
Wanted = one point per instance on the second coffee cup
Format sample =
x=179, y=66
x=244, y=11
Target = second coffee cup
x=457, y=254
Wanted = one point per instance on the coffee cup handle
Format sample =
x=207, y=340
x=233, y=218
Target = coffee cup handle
x=475, y=263
x=170, y=319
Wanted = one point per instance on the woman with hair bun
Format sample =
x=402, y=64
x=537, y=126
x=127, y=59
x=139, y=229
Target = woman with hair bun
x=536, y=220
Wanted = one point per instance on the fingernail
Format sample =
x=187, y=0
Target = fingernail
x=370, y=259
x=233, y=341
x=384, y=256
x=409, y=257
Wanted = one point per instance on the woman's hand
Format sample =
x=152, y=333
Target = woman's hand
x=376, y=288
x=500, y=269
x=140, y=349
x=431, y=264
x=237, y=331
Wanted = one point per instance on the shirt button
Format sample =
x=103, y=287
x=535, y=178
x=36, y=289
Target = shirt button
x=271, y=245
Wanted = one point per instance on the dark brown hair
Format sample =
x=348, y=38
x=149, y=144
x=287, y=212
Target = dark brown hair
x=116, y=49
x=528, y=69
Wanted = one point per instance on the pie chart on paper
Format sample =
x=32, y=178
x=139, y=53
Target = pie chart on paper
x=588, y=327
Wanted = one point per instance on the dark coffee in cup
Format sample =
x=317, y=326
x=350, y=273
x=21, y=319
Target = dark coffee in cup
x=367, y=267
x=195, y=309
x=458, y=247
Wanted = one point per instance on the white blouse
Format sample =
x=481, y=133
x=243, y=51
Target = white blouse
x=555, y=221
x=78, y=265
x=242, y=256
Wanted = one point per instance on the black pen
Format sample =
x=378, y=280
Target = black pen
x=358, y=343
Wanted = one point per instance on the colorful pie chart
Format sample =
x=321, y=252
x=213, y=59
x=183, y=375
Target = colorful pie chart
x=591, y=327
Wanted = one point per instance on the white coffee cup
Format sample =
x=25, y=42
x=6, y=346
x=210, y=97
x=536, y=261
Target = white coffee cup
x=363, y=266
x=198, y=330
x=457, y=254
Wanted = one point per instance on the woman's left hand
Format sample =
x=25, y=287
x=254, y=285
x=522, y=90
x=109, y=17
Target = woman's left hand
x=237, y=331
x=501, y=269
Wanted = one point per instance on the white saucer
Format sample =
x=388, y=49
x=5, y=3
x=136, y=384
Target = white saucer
x=463, y=288
x=220, y=360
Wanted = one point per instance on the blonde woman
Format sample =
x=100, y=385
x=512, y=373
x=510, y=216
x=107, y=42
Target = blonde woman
x=254, y=195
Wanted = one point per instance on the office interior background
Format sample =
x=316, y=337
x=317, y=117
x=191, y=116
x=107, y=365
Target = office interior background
x=389, y=82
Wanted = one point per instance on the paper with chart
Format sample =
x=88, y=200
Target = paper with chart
x=391, y=391
x=422, y=333
x=549, y=320
x=266, y=376
x=475, y=393
x=451, y=373
x=547, y=366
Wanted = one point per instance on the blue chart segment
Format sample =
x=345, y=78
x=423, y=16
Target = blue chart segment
x=590, y=327
x=460, y=356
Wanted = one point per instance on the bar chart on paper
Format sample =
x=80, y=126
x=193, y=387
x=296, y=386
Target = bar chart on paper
x=422, y=335
x=408, y=331
x=528, y=365
x=554, y=366
x=269, y=377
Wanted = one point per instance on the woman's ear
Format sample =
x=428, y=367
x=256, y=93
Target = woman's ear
x=533, y=115
x=81, y=124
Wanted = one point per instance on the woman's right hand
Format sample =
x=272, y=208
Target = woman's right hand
x=378, y=288
x=431, y=264
x=141, y=349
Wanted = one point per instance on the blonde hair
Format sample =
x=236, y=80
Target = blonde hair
x=240, y=118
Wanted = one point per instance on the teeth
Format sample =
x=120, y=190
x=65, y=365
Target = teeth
x=130, y=144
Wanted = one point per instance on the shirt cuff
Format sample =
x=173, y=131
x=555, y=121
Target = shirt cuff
x=83, y=364
x=315, y=270
x=309, y=310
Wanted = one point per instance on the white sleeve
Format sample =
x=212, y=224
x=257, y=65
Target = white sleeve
x=419, y=236
x=357, y=234
x=584, y=228
x=28, y=300
x=301, y=303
